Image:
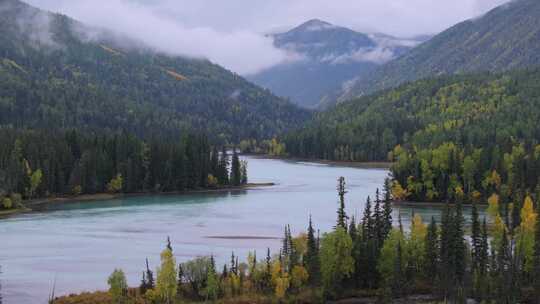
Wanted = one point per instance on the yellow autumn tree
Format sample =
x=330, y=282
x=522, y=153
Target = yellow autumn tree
x=299, y=276
x=525, y=233
x=416, y=244
x=493, y=205
x=398, y=193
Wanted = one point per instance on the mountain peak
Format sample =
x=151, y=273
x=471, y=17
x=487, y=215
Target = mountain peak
x=314, y=25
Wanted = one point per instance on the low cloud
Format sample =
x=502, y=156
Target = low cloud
x=241, y=51
x=230, y=32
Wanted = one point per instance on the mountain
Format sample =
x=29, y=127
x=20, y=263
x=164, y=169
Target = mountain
x=471, y=111
x=325, y=57
x=56, y=72
x=507, y=37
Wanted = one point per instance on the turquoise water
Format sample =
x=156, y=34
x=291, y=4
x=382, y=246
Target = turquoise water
x=78, y=245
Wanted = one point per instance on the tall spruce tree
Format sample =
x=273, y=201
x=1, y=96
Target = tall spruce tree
x=476, y=239
x=432, y=250
x=223, y=167
x=312, y=262
x=149, y=277
x=378, y=221
x=342, y=215
x=236, y=171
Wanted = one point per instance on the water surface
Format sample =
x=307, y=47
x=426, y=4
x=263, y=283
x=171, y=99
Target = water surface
x=78, y=245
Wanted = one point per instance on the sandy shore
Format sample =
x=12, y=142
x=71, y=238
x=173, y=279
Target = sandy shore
x=355, y=164
x=39, y=204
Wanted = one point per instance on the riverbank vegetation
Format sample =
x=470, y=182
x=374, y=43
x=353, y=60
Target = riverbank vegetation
x=368, y=259
x=41, y=164
x=449, y=136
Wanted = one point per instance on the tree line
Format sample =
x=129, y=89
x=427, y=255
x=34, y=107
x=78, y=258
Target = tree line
x=443, y=133
x=38, y=163
x=498, y=261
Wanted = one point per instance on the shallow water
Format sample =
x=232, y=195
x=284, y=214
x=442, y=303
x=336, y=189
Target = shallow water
x=78, y=245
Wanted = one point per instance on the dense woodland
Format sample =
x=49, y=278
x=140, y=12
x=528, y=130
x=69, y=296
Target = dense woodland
x=36, y=164
x=364, y=258
x=449, y=136
x=57, y=72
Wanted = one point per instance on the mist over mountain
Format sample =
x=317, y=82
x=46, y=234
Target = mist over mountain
x=56, y=72
x=507, y=37
x=327, y=57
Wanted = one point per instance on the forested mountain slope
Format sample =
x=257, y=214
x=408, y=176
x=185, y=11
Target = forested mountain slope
x=57, y=72
x=452, y=131
x=505, y=38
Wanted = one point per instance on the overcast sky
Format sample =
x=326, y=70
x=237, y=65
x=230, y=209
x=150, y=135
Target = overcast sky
x=230, y=32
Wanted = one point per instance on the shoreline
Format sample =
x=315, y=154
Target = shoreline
x=38, y=205
x=338, y=163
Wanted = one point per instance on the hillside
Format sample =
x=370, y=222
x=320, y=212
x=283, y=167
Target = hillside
x=57, y=72
x=328, y=57
x=444, y=129
x=505, y=38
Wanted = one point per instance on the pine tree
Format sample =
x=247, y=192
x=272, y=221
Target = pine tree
x=379, y=228
x=459, y=244
x=476, y=239
x=214, y=162
x=149, y=277
x=169, y=246
x=432, y=250
x=483, y=258
x=367, y=221
x=236, y=172
x=397, y=276
x=223, y=167
x=387, y=209
x=144, y=284
x=342, y=216
x=233, y=264
x=312, y=262
x=352, y=228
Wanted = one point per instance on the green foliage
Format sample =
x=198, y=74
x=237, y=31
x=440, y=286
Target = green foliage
x=166, y=285
x=113, y=83
x=451, y=134
x=115, y=185
x=118, y=286
x=337, y=263
x=75, y=162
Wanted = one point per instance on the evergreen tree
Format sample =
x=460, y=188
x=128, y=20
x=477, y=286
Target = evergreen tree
x=342, y=215
x=398, y=278
x=223, y=168
x=144, y=284
x=432, y=250
x=214, y=162
x=476, y=239
x=236, y=171
x=378, y=219
x=149, y=277
x=169, y=246
x=367, y=221
x=312, y=262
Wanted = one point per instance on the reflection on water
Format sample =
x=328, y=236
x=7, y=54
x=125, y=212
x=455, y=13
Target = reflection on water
x=79, y=244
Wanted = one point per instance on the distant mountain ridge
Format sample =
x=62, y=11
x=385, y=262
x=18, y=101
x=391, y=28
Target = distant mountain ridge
x=56, y=72
x=507, y=37
x=329, y=56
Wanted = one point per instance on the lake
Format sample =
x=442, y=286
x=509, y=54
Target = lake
x=78, y=245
